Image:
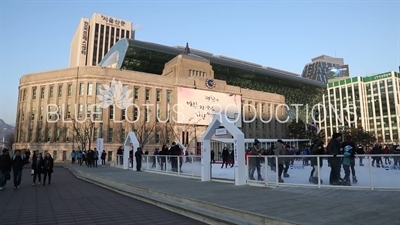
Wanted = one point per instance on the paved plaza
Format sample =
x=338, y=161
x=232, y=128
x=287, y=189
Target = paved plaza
x=69, y=200
x=299, y=205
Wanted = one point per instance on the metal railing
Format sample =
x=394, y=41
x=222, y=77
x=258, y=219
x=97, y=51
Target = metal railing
x=371, y=171
x=187, y=166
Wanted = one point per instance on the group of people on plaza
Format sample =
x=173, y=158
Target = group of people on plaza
x=167, y=154
x=339, y=154
x=90, y=157
x=39, y=166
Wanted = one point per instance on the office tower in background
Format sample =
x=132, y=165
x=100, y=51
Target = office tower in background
x=95, y=36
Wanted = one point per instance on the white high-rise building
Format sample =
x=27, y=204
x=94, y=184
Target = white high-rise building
x=95, y=36
x=375, y=100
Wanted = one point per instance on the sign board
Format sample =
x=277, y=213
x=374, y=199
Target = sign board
x=85, y=37
x=100, y=148
x=113, y=21
x=220, y=132
x=382, y=76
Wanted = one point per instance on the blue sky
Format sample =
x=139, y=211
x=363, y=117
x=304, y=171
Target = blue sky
x=35, y=35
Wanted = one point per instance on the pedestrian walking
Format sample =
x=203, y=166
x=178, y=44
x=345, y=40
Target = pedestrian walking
x=37, y=164
x=48, y=164
x=5, y=168
x=18, y=162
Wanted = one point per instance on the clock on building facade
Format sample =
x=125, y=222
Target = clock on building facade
x=210, y=83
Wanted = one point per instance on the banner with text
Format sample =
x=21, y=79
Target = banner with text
x=199, y=107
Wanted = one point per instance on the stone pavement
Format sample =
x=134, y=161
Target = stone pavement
x=301, y=205
x=69, y=200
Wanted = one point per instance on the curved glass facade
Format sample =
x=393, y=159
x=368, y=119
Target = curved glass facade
x=151, y=58
x=116, y=55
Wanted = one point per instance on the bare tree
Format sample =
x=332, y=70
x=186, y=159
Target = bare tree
x=144, y=131
x=187, y=133
x=83, y=133
x=164, y=129
x=119, y=135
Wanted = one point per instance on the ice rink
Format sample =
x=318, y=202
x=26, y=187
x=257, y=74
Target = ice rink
x=387, y=176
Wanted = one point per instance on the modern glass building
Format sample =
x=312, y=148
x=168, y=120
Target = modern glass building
x=372, y=102
x=323, y=68
x=151, y=58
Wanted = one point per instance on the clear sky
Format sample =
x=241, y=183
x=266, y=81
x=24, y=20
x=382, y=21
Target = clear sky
x=36, y=35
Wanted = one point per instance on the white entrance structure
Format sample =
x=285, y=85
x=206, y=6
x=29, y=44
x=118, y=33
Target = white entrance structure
x=238, y=143
x=130, y=139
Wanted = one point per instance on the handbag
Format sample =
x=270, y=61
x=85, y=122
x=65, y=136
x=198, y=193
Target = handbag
x=32, y=172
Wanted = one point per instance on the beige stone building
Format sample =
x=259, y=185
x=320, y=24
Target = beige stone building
x=51, y=103
x=95, y=36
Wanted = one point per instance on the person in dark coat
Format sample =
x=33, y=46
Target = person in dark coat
x=37, y=164
x=333, y=149
x=377, y=150
x=27, y=155
x=232, y=156
x=103, y=158
x=175, y=152
x=212, y=156
x=138, y=157
x=360, y=151
x=90, y=158
x=225, y=157
x=47, y=169
x=5, y=168
x=131, y=154
x=17, y=163
x=317, y=148
x=120, y=153
x=163, y=154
